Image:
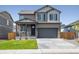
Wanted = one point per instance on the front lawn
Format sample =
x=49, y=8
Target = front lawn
x=18, y=44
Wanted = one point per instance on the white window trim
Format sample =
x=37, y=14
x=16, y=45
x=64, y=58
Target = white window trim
x=7, y=22
x=53, y=17
x=41, y=15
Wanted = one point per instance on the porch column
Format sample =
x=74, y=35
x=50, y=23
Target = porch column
x=17, y=28
x=36, y=31
x=19, y=31
x=27, y=32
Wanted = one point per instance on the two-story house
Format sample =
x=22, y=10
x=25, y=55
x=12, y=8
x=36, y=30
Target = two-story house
x=6, y=24
x=41, y=23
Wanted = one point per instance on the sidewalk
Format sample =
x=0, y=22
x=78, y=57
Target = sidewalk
x=41, y=51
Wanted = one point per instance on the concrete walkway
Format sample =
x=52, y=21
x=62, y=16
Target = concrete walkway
x=55, y=44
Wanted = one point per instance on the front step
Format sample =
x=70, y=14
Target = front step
x=24, y=38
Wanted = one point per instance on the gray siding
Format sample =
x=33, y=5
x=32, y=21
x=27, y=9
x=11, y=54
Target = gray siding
x=30, y=16
x=44, y=9
x=3, y=21
x=48, y=25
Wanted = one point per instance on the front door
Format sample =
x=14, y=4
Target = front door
x=33, y=30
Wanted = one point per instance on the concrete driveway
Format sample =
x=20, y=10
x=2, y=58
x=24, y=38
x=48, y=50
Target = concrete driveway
x=47, y=43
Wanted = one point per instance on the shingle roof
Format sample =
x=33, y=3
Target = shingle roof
x=25, y=20
x=49, y=8
x=5, y=12
x=76, y=22
x=26, y=12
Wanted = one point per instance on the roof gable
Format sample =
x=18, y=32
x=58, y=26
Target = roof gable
x=46, y=8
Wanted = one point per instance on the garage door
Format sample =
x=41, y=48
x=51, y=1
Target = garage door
x=47, y=33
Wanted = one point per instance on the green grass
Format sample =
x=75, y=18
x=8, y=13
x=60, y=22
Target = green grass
x=18, y=44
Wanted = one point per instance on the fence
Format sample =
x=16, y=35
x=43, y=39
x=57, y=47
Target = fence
x=11, y=35
x=68, y=35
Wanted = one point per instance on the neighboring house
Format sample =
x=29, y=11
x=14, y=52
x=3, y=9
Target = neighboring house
x=41, y=23
x=73, y=27
x=6, y=24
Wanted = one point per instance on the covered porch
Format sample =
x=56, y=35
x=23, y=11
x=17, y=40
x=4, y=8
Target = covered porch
x=26, y=29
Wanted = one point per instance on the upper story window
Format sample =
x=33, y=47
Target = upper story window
x=42, y=16
x=21, y=17
x=39, y=16
x=53, y=17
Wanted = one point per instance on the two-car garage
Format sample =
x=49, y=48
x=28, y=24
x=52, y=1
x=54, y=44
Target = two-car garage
x=47, y=32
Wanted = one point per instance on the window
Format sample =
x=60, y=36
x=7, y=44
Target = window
x=23, y=28
x=21, y=17
x=55, y=16
x=42, y=16
x=51, y=16
x=39, y=17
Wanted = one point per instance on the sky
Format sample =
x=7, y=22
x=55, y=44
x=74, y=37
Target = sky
x=69, y=13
